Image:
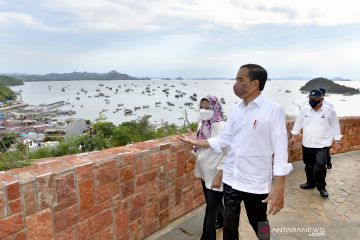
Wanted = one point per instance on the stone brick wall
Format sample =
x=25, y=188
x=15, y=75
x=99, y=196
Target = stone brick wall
x=119, y=193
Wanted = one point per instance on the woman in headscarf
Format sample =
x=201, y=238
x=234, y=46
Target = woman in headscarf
x=208, y=165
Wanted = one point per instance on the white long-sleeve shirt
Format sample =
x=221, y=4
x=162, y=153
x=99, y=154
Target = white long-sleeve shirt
x=319, y=127
x=208, y=162
x=253, y=134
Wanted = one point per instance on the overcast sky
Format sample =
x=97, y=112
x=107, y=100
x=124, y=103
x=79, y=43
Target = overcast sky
x=188, y=38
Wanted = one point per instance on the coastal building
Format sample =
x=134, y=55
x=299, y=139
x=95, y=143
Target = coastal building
x=72, y=128
x=2, y=116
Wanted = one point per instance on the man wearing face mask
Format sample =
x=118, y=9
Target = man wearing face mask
x=208, y=165
x=256, y=136
x=321, y=127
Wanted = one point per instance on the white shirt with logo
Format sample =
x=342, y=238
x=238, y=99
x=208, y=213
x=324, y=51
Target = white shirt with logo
x=320, y=127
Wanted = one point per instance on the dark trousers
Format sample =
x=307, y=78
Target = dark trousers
x=315, y=160
x=255, y=209
x=328, y=158
x=213, y=213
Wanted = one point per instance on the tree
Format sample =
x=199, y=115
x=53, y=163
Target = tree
x=6, y=140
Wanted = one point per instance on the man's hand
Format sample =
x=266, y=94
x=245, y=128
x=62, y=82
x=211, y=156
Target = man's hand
x=276, y=196
x=337, y=145
x=199, y=143
x=292, y=141
x=216, y=183
x=187, y=139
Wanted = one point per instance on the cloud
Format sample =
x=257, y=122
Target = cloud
x=155, y=15
x=194, y=37
x=11, y=19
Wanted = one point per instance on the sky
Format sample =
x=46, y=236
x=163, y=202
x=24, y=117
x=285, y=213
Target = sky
x=187, y=38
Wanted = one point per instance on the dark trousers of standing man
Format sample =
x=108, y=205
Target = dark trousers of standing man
x=213, y=213
x=255, y=209
x=315, y=160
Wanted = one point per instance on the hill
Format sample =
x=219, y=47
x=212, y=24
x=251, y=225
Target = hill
x=6, y=94
x=340, y=79
x=112, y=75
x=9, y=81
x=329, y=85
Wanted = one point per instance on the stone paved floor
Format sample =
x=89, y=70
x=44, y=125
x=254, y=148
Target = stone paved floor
x=337, y=217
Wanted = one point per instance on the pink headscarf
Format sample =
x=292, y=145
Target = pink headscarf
x=205, y=129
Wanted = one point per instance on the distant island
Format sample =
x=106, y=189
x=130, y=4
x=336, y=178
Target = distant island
x=340, y=79
x=329, y=85
x=9, y=81
x=112, y=75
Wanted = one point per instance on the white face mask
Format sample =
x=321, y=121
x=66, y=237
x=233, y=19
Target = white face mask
x=206, y=114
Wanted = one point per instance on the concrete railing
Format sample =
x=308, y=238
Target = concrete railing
x=119, y=193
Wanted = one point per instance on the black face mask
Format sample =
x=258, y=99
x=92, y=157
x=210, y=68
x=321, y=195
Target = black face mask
x=314, y=103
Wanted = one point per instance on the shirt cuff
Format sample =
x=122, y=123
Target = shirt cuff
x=282, y=169
x=214, y=145
x=338, y=138
x=294, y=132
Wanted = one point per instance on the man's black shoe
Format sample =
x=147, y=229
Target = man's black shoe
x=324, y=193
x=218, y=226
x=307, y=186
x=329, y=165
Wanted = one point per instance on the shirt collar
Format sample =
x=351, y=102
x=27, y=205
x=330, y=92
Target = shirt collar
x=256, y=102
x=320, y=110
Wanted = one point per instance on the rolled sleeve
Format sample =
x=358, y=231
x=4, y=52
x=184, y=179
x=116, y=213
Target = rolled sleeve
x=282, y=169
x=338, y=138
x=215, y=145
x=293, y=132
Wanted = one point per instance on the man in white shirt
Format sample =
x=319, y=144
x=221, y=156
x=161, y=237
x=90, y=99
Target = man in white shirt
x=320, y=127
x=256, y=136
x=326, y=102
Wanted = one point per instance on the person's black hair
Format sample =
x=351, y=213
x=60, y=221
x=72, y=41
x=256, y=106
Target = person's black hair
x=323, y=90
x=257, y=72
x=204, y=99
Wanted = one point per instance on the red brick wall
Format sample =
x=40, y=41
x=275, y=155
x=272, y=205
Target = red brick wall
x=119, y=193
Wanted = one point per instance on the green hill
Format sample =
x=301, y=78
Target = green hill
x=6, y=94
x=9, y=81
x=329, y=85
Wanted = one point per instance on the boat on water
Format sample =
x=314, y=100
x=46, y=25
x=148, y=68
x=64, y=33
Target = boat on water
x=128, y=111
